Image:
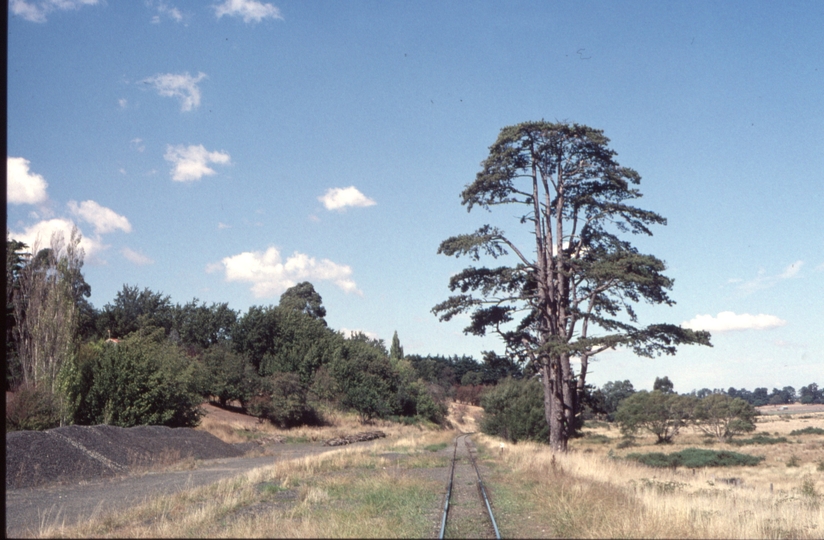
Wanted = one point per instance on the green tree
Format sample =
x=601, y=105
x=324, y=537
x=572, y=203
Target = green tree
x=614, y=393
x=229, y=376
x=365, y=378
x=663, y=385
x=133, y=310
x=396, y=351
x=659, y=413
x=303, y=297
x=575, y=199
x=145, y=379
x=723, y=417
x=203, y=326
x=513, y=410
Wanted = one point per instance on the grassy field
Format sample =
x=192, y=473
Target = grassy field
x=393, y=488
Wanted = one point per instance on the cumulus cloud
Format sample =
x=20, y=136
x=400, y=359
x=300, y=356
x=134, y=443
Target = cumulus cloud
x=191, y=162
x=135, y=257
x=165, y=10
x=24, y=187
x=270, y=275
x=250, y=10
x=40, y=235
x=104, y=220
x=36, y=11
x=340, y=198
x=764, y=281
x=179, y=85
x=727, y=321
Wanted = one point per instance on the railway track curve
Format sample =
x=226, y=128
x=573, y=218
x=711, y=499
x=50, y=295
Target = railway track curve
x=464, y=471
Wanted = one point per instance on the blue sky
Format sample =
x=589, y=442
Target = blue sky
x=228, y=150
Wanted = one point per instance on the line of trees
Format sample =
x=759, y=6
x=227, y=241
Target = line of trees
x=142, y=359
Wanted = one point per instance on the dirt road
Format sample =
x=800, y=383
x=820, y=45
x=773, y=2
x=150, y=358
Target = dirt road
x=27, y=509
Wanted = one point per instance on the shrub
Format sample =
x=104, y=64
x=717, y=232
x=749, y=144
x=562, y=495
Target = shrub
x=793, y=461
x=662, y=414
x=142, y=380
x=32, y=408
x=470, y=394
x=282, y=401
x=695, y=458
x=722, y=417
x=759, y=439
x=514, y=410
x=808, y=431
x=229, y=377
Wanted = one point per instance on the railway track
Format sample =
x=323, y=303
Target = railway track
x=474, y=515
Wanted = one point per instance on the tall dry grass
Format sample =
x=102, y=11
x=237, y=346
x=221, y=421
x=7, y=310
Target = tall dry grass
x=592, y=493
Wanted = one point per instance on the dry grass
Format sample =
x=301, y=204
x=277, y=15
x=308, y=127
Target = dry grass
x=356, y=491
x=588, y=493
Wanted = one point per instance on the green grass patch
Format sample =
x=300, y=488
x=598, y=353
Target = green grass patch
x=694, y=458
x=808, y=431
x=597, y=438
x=435, y=447
x=300, y=439
x=759, y=439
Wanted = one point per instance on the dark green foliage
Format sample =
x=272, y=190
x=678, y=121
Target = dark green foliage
x=695, y=458
x=396, y=351
x=304, y=299
x=143, y=380
x=229, y=376
x=365, y=378
x=663, y=385
x=808, y=431
x=661, y=414
x=793, y=461
x=514, y=410
x=32, y=408
x=282, y=401
x=614, y=393
x=782, y=397
x=811, y=394
x=759, y=439
x=133, y=310
x=201, y=326
x=470, y=394
x=721, y=416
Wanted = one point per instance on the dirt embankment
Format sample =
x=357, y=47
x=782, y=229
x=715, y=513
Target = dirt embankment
x=75, y=453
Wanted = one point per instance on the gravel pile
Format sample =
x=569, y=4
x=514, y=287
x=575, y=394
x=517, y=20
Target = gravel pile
x=74, y=453
x=357, y=437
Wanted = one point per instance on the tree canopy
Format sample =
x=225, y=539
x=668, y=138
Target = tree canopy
x=572, y=293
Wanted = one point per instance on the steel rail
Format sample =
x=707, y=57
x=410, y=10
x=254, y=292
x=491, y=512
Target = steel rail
x=481, y=489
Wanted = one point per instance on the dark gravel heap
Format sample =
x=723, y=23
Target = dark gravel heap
x=74, y=453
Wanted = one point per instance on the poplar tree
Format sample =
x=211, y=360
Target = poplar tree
x=571, y=294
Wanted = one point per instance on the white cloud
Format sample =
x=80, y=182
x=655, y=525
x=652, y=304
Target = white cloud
x=727, y=321
x=123, y=102
x=270, y=275
x=23, y=186
x=40, y=235
x=180, y=85
x=105, y=220
x=250, y=10
x=792, y=270
x=340, y=198
x=191, y=162
x=221, y=225
x=137, y=144
x=164, y=9
x=36, y=11
x=135, y=256
x=763, y=281
x=347, y=332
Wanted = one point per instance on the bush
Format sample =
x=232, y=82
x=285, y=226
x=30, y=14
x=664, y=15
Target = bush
x=470, y=394
x=142, y=380
x=514, y=410
x=33, y=409
x=808, y=431
x=365, y=379
x=759, y=439
x=229, y=377
x=282, y=401
x=793, y=461
x=662, y=414
x=695, y=458
x=722, y=417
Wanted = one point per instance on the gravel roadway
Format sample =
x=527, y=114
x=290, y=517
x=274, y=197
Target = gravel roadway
x=27, y=509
